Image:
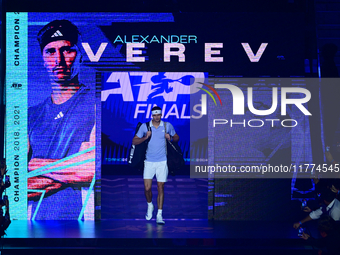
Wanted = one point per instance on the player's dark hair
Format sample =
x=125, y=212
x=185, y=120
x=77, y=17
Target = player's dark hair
x=156, y=108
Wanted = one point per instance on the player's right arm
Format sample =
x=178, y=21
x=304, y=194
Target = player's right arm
x=136, y=140
x=141, y=135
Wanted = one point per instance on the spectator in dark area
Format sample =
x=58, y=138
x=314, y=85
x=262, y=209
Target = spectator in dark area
x=3, y=171
x=330, y=237
x=5, y=220
x=333, y=158
x=329, y=206
x=324, y=184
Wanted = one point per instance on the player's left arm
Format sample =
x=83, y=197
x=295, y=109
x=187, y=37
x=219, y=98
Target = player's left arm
x=175, y=138
x=171, y=135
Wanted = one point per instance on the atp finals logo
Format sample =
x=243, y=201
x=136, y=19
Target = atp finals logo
x=238, y=105
x=142, y=90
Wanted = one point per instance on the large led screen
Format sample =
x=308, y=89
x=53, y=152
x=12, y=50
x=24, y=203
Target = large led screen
x=77, y=84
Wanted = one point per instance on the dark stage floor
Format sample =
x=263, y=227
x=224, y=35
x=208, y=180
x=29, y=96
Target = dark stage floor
x=146, y=237
x=149, y=229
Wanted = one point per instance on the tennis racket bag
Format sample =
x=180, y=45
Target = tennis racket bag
x=137, y=152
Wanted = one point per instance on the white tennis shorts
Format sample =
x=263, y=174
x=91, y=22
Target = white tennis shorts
x=160, y=169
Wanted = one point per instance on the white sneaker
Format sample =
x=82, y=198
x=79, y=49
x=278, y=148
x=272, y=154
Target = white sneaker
x=149, y=212
x=160, y=220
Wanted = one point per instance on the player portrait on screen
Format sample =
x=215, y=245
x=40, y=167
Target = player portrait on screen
x=61, y=130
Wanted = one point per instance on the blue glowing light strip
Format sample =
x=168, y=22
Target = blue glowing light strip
x=40, y=200
x=34, y=174
x=87, y=197
x=39, y=171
